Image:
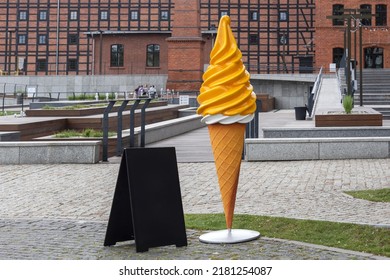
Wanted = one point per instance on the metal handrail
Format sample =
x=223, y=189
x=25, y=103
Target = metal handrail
x=312, y=99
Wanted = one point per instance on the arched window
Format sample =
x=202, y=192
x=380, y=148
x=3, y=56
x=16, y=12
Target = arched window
x=381, y=15
x=153, y=55
x=337, y=56
x=366, y=10
x=117, y=55
x=338, y=10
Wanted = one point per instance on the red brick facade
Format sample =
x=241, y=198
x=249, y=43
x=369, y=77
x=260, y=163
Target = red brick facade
x=275, y=36
x=328, y=36
x=55, y=39
x=185, y=52
x=134, y=53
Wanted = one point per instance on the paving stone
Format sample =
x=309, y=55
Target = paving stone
x=62, y=240
x=61, y=211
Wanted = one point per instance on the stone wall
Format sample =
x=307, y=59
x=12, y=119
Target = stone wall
x=79, y=84
x=289, y=90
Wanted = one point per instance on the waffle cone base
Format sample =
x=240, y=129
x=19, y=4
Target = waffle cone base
x=227, y=142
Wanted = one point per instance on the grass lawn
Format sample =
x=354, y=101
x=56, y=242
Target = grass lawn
x=382, y=195
x=9, y=113
x=369, y=239
x=88, y=132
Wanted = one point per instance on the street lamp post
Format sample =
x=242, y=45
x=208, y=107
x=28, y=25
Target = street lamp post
x=357, y=15
x=348, y=57
x=361, y=63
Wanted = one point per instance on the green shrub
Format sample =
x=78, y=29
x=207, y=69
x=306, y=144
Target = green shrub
x=83, y=96
x=348, y=103
x=48, y=107
x=88, y=132
x=9, y=113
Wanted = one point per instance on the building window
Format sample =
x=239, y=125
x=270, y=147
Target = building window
x=381, y=15
x=373, y=57
x=224, y=13
x=283, y=39
x=164, y=15
x=72, y=64
x=366, y=10
x=117, y=55
x=153, y=55
x=22, y=15
x=338, y=10
x=134, y=15
x=42, y=39
x=73, y=39
x=22, y=39
x=42, y=15
x=41, y=65
x=283, y=16
x=253, y=39
x=103, y=15
x=254, y=15
x=73, y=15
x=337, y=56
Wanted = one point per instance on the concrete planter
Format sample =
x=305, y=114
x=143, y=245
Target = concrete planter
x=48, y=152
x=153, y=133
x=111, y=142
x=358, y=117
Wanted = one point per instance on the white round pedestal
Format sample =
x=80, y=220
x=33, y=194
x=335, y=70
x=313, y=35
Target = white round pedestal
x=229, y=236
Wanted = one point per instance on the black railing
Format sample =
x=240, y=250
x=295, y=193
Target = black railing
x=312, y=96
x=122, y=107
x=252, y=128
x=18, y=91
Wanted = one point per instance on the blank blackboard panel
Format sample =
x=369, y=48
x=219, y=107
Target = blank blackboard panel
x=147, y=204
x=155, y=197
x=120, y=224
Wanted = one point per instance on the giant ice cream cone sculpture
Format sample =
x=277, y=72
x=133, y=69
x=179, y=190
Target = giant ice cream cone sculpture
x=227, y=103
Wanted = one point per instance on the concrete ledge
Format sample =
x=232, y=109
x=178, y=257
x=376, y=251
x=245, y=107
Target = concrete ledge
x=325, y=132
x=40, y=104
x=47, y=152
x=167, y=129
x=268, y=149
x=153, y=133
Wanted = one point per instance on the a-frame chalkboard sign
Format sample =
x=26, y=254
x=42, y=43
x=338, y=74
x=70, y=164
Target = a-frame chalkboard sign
x=147, y=205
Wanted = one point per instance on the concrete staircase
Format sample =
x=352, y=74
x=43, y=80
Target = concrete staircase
x=376, y=90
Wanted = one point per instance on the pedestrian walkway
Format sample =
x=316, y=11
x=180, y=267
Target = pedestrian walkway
x=329, y=97
x=61, y=211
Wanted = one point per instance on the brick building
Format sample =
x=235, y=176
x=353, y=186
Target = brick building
x=50, y=37
x=87, y=37
x=330, y=33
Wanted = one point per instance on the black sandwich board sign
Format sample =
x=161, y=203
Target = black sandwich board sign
x=147, y=206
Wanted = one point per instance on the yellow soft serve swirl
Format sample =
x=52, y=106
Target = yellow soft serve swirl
x=226, y=94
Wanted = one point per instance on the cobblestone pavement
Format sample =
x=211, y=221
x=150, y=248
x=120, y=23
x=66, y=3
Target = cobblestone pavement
x=61, y=211
x=58, y=240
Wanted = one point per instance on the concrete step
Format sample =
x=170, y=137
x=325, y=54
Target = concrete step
x=326, y=132
x=372, y=103
x=267, y=149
